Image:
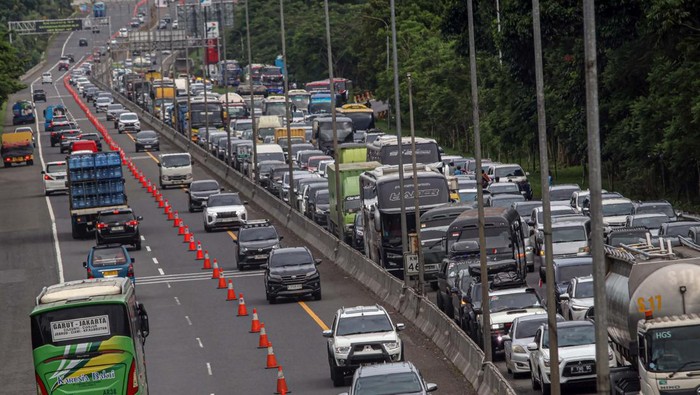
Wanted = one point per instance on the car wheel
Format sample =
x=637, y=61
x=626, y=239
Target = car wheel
x=47, y=193
x=239, y=266
x=317, y=295
x=433, y=284
x=546, y=388
x=271, y=298
x=439, y=301
x=535, y=384
x=191, y=209
x=207, y=228
x=137, y=244
x=337, y=377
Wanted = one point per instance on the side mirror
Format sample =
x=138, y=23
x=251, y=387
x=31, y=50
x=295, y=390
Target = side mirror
x=327, y=333
x=527, y=173
x=564, y=296
x=143, y=316
x=280, y=238
x=506, y=338
x=532, y=346
x=85, y=265
x=400, y=326
x=317, y=261
x=133, y=259
x=139, y=218
x=431, y=387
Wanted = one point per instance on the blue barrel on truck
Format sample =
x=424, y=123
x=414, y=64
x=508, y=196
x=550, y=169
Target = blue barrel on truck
x=22, y=112
x=95, y=183
x=99, y=10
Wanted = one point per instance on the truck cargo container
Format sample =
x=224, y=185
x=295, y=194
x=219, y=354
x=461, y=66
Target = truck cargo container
x=349, y=177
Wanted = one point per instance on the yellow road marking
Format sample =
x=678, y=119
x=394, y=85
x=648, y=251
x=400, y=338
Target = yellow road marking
x=146, y=152
x=233, y=235
x=313, y=316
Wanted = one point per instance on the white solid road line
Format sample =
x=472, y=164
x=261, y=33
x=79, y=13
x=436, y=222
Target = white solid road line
x=148, y=248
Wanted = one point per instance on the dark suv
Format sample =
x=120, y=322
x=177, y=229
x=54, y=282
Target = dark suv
x=254, y=242
x=118, y=226
x=199, y=191
x=39, y=95
x=291, y=272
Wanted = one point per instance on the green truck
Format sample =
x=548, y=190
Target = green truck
x=352, y=152
x=349, y=175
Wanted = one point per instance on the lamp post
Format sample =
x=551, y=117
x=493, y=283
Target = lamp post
x=388, y=101
x=253, y=176
x=287, y=112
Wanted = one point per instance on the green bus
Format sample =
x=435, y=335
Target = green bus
x=88, y=336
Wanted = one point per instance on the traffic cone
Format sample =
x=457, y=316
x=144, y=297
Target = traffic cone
x=186, y=235
x=271, y=360
x=255, y=325
x=180, y=229
x=207, y=264
x=176, y=219
x=230, y=294
x=281, y=383
x=149, y=187
x=222, y=281
x=262, y=340
x=193, y=246
x=242, y=310
x=166, y=208
x=200, y=253
x=216, y=271
x=155, y=193
x=169, y=210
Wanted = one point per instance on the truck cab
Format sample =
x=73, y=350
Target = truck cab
x=175, y=169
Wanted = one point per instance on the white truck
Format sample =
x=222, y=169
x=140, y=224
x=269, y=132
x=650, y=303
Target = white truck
x=175, y=169
x=653, y=300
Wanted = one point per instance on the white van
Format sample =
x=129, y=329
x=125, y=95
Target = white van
x=265, y=152
x=175, y=169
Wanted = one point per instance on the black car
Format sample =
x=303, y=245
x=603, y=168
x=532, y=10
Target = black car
x=118, y=226
x=254, y=242
x=461, y=255
x=70, y=57
x=358, y=233
x=322, y=207
x=39, y=95
x=83, y=42
x=56, y=135
x=92, y=136
x=146, y=140
x=91, y=94
x=291, y=272
x=199, y=191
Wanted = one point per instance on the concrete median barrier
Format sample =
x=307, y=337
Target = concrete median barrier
x=434, y=324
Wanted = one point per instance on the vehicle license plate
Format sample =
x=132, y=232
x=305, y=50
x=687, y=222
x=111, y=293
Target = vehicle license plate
x=581, y=369
x=117, y=229
x=226, y=219
x=260, y=257
x=431, y=267
x=111, y=273
x=146, y=146
x=293, y=287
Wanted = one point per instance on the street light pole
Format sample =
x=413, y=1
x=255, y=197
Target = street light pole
x=252, y=101
x=292, y=192
x=416, y=196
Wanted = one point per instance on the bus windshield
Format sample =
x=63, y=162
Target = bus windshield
x=361, y=120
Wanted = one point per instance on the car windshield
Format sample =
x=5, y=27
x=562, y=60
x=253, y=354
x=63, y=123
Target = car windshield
x=512, y=301
x=525, y=209
x=146, y=135
x=561, y=210
x=104, y=100
x=571, y=336
x=584, y=289
x=527, y=328
x=617, y=209
x=503, y=187
x=568, y=234
x=665, y=209
x=204, y=186
x=467, y=195
x=224, y=200
x=257, y=234
x=562, y=193
x=363, y=324
x=56, y=168
x=113, y=218
x=113, y=107
x=296, y=257
x=650, y=222
x=175, y=161
x=129, y=117
x=679, y=230
x=108, y=257
x=565, y=273
x=388, y=384
x=509, y=171
x=506, y=200
x=322, y=198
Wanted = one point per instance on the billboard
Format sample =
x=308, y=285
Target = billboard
x=212, y=46
x=58, y=25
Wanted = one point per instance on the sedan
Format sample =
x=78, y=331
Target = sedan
x=105, y=261
x=146, y=140
x=522, y=333
x=55, y=177
x=112, y=111
x=389, y=378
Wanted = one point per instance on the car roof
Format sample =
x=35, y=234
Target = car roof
x=616, y=201
x=386, y=368
x=648, y=215
x=583, y=279
x=571, y=324
x=357, y=311
x=563, y=186
x=290, y=249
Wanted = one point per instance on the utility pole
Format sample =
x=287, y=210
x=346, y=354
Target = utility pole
x=331, y=83
x=596, y=209
x=292, y=192
x=205, y=68
x=187, y=124
x=485, y=312
x=546, y=205
x=416, y=196
x=227, y=125
x=253, y=176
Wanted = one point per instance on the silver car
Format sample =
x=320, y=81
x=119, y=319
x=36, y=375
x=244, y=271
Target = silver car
x=521, y=333
x=55, y=177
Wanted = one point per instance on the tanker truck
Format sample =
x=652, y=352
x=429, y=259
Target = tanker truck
x=653, y=300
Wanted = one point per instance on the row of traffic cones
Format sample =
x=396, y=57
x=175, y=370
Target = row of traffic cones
x=201, y=255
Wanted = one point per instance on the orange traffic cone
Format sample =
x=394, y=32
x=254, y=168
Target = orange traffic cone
x=271, y=360
x=207, y=264
x=216, y=271
x=281, y=383
x=230, y=294
x=169, y=211
x=149, y=187
x=263, y=340
x=181, y=229
x=154, y=192
x=255, y=325
x=222, y=281
x=200, y=253
x=159, y=199
x=193, y=246
x=176, y=219
x=242, y=310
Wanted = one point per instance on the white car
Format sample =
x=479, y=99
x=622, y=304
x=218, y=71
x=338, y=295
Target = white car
x=55, y=177
x=123, y=33
x=615, y=211
x=128, y=121
x=515, y=342
x=224, y=210
x=359, y=335
x=176, y=24
x=576, y=355
x=46, y=78
x=577, y=299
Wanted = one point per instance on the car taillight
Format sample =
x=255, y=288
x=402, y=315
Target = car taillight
x=53, y=134
x=89, y=274
x=40, y=388
x=132, y=387
x=132, y=223
x=101, y=225
x=47, y=177
x=130, y=271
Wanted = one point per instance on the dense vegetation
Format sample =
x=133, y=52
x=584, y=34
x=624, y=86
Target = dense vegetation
x=25, y=51
x=649, y=77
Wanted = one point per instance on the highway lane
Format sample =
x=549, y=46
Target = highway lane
x=197, y=344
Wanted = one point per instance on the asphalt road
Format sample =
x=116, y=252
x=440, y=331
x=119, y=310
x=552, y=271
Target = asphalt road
x=197, y=343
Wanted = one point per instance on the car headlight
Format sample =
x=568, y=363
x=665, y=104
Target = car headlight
x=518, y=349
x=342, y=349
x=547, y=362
x=529, y=249
x=319, y=211
x=392, y=346
x=276, y=277
x=244, y=249
x=276, y=246
x=360, y=232
x=497, y=326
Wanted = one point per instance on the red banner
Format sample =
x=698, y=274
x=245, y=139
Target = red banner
x=212, y=51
